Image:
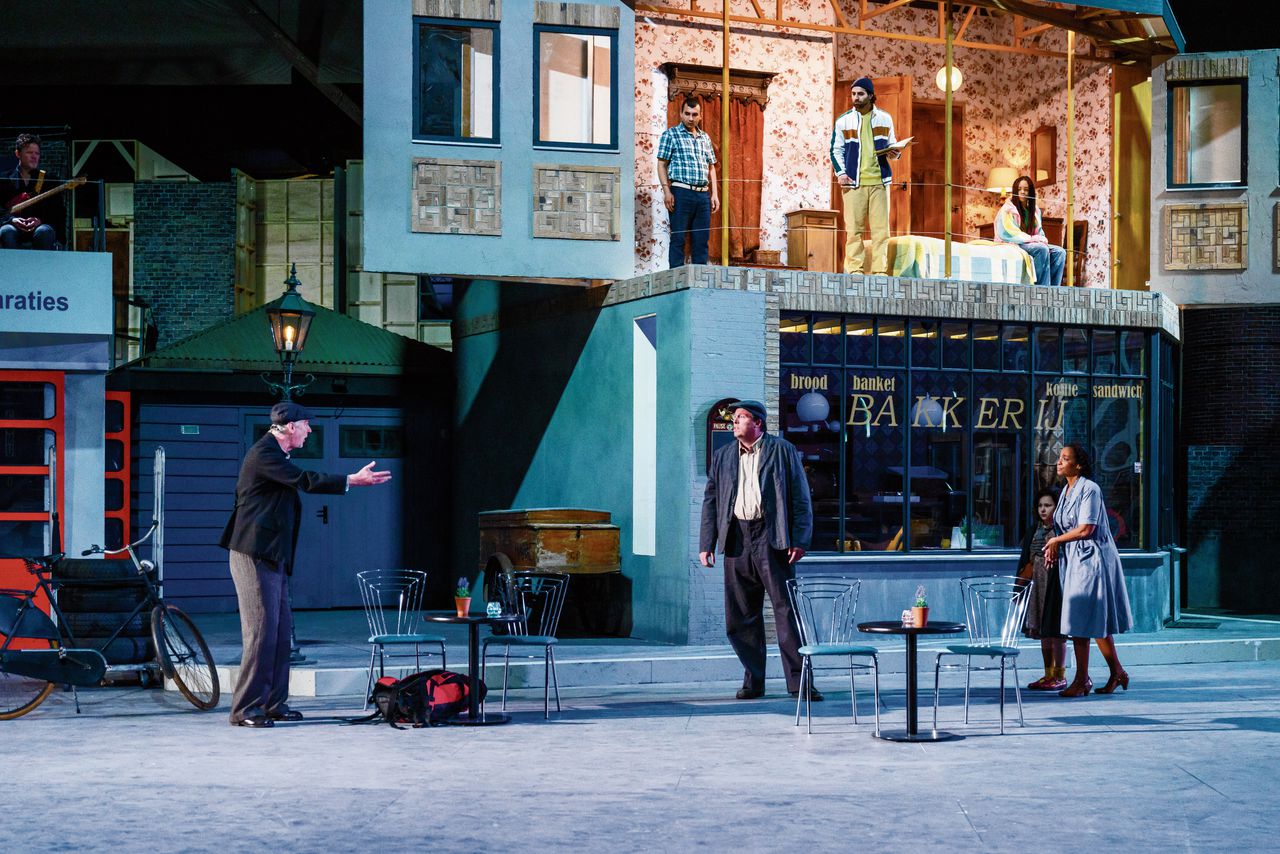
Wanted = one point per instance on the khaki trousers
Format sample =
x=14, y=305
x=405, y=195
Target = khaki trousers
x=863, y=206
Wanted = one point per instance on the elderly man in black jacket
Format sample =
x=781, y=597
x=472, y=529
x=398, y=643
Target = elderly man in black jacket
x=757, y=508
x=262, y=535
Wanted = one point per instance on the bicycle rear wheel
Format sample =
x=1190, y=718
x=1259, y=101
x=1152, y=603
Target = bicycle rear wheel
x=21, y=694
x=184, y=656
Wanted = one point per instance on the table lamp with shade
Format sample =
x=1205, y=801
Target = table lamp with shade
x=1000, y=180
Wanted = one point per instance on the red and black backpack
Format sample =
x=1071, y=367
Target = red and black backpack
x=429, y=698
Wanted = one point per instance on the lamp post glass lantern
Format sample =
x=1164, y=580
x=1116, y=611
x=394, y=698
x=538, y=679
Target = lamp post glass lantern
x=290, y=322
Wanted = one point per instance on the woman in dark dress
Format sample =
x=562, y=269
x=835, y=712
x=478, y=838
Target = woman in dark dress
x=1044, y=611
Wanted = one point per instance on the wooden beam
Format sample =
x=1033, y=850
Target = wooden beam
x=964, y=25
x=1034, y=31
x=887, y=7
x=755, y=4
x=835, y=7
x=1070, y=22
x=662, y=10
x=301, y=63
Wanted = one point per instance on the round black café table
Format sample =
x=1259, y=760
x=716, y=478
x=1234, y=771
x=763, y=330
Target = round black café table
x=895, y=627
x=473, y=623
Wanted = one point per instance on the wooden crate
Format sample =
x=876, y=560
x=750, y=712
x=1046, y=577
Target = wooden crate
x=582, y=542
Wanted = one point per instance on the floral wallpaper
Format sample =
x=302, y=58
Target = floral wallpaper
x=797, y=120
x=1006, y=96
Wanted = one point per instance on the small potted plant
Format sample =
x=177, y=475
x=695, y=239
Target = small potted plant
x=462, y=597
x=920, y=611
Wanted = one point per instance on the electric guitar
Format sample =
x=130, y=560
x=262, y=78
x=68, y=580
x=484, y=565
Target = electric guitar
x=23, y=201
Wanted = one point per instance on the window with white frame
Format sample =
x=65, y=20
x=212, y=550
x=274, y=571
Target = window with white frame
x=576, y=98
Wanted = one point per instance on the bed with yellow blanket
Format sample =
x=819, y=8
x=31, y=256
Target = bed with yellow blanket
x=918, y=257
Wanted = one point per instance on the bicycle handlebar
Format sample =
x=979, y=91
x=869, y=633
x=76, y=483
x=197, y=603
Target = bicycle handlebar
x=92, y=550
x=99, y=550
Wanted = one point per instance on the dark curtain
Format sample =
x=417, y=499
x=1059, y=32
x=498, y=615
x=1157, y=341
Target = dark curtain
x=746, y=133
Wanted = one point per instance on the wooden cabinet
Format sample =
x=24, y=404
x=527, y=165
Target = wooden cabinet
x=813, y=240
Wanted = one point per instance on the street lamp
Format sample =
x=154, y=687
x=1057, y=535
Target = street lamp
x=290, y=322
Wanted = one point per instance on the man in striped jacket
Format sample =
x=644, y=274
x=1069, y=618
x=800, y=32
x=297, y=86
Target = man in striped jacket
x=864, y=176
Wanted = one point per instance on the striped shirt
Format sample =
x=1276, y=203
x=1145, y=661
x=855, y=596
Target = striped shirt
x=688, y=155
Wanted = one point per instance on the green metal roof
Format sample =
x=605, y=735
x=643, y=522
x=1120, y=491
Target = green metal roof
x=336, y=344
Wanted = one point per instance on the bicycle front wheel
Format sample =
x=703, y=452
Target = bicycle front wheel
x=184, y=656
x=21, y=694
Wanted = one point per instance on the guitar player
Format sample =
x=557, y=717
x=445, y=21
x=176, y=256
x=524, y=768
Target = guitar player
x=36, y=225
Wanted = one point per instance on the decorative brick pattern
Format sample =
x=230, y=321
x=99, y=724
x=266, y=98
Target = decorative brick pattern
x=1206, y=68
x=475, y=10
x=1206, y=237
x=576, y=15
x=456, y=196
x=577, y=202
x=802, y=290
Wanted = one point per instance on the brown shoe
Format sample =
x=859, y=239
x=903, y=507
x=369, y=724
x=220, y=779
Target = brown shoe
x=745, y=693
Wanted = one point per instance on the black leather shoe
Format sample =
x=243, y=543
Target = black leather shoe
x=255, y=722
x=745, y=693
x=286, y=715
x=815, y=696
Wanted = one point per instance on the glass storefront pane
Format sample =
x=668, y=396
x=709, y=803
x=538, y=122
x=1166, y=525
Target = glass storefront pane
x=986, y=347
x=115, y=416
x=24, y=538
x=810, y=404
x=23, y=493
x=1075, y=351
x=1117, y=448
x=24, y=447
x=113, y=494
x=938, y=458
x=874, y=425
x=1104, y=351
x=1000, y=417
x=1059, y=414
x=26, y=401
x=924, y=344
x=893, y=350
x=955, y=345
x=859, y=341
x=1014, y=352
x=1048, y=350
x=1133, y=353
x=827, y=341
x=793, y=339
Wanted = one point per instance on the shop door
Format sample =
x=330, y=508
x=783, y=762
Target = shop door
x=31, y=436
x=343, y=534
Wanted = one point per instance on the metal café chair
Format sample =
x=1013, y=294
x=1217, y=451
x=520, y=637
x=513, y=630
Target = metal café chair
x=538, y=596
x=825, y=606
x=995, y=606
x=392, y=601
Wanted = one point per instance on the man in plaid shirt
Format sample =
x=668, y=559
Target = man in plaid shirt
x=687, y=170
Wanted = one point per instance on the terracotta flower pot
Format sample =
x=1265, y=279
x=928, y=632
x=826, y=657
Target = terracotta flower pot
x=920, y=617
x=463, y=605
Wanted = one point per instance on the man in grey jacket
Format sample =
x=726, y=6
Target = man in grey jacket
x=756, y=508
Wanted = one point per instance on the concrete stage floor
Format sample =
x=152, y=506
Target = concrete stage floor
x=1183, y=760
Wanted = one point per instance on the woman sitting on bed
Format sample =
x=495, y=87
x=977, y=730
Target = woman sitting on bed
x=1018, y=221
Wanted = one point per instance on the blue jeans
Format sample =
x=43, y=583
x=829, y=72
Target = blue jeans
x=1048, y=261
x=691, y=216
x=44, y=237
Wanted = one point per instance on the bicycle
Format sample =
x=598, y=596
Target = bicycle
x=51, y=655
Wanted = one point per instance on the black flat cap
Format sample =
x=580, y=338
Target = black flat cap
x=755, y=407
x=286, y=411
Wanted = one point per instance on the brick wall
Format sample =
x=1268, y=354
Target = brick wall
x=1231, y=385
x=184, y=254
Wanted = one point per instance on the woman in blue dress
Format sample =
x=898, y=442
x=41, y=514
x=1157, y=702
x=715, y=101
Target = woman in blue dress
x=1095, y=603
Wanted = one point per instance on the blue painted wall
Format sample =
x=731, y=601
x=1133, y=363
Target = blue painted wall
x=545, y=421
x=389, y=245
